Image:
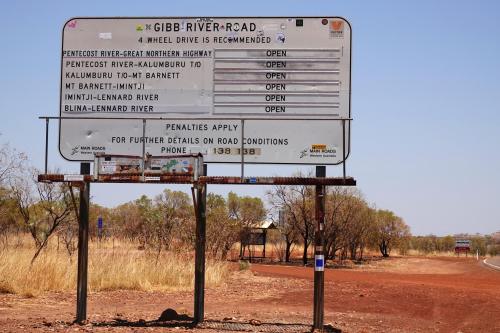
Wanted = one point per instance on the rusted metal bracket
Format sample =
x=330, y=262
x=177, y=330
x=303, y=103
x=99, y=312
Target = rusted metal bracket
x=202, y=180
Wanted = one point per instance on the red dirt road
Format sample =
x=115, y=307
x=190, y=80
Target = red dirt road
x=396, y=295
x=464, y=296
x=493, y=262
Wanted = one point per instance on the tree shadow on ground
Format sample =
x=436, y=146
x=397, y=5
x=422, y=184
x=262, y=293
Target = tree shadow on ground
x=119, y=322
x=171, y=319
x=219, y=325
x=168, y=318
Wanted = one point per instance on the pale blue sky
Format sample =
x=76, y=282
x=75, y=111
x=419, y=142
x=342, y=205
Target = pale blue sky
x=425, y=99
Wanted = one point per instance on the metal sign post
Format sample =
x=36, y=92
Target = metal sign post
x=199, y=257
x=83, y=247
x=248, y=90
x=200, y=183
x=319, y=255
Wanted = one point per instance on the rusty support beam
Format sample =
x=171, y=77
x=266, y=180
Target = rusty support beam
x=199, y=260
x=83, y=248
x=319, y=255
x=332, y=181
x=222, y=180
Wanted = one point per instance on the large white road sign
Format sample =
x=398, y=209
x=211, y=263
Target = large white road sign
x=196, y=78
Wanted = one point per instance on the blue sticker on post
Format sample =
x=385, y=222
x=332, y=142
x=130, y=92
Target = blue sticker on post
x=319, y=263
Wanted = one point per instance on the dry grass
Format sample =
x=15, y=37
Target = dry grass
x=110, y=268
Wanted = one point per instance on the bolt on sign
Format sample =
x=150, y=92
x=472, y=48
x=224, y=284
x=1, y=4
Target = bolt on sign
x=273, y=89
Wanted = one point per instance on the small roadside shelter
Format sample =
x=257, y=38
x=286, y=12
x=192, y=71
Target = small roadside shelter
x=255, y=236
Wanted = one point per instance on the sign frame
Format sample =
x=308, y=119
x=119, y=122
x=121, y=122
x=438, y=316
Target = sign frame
x=346, y=122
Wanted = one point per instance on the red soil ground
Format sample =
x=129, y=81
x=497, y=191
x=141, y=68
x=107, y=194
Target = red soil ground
x=395, y=295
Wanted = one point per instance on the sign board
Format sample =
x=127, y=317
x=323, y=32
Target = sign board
x=319, y=262
x=110, y=165
x=462, y=245
x=99, y=227
x=254, y=238
x=73, y=178
x=154, y=166
x=196, y=79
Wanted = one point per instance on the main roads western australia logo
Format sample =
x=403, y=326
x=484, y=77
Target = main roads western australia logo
x=319, y=150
